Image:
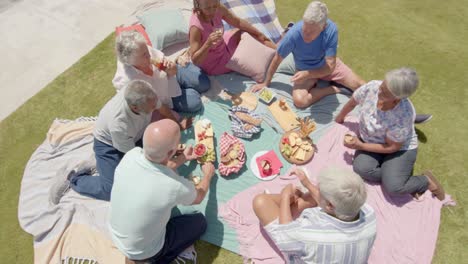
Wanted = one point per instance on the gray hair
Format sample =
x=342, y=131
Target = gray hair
x=126, y=44
x=402, y=82
x=344, y=189
x=138, y=92
x=316, y=13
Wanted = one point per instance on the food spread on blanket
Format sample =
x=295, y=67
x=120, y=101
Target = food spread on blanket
x=269, y=164
x=296, y=146
x=232, y=154
x=266, y=95
x=244, y=123
x=245, y=99
x=204, y=136
x=283, y=114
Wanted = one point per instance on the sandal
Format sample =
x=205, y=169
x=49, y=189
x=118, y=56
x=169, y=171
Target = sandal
x=438, y=190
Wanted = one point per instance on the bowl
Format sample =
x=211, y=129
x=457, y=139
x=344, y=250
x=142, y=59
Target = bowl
x=266, y=95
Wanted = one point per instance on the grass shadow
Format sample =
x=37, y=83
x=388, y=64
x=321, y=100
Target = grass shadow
x=421, y=136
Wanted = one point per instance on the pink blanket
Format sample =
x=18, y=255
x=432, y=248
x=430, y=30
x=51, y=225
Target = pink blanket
x=406, y=230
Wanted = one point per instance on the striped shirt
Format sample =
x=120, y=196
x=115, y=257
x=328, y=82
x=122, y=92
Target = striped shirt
x=316, y=237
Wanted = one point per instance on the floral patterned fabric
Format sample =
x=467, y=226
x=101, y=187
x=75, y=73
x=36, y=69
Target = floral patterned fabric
x=375, y=125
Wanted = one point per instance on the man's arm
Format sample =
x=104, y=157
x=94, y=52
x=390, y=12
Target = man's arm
x=325, y=70
x=275, y=62
x=203, y=187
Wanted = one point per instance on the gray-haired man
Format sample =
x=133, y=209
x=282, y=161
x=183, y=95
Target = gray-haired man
x=119, y=127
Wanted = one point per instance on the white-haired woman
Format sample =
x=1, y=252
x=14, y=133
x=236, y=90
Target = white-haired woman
x=387, y=145
x=300, y=224
x=177, y=87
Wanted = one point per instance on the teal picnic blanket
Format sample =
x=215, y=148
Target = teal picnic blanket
x=222, y=189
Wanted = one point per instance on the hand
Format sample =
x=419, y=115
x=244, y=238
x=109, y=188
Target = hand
x=300, y=174
x=213, y=39
x=185, y=123
x=300, y=77
x=189, y=154
x=208, y=169
x=170, y=67
x=257, y=87
x=356, y=143
x=339, y=119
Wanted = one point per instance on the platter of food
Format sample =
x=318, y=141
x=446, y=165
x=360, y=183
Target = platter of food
x=204, y=137
x=296, y=146
x=283, y=114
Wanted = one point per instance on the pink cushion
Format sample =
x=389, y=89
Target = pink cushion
x=251, y=58
x=137, y=27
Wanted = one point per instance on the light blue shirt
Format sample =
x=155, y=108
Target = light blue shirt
x=309, y=56
x=375, y=125
x=142, y=198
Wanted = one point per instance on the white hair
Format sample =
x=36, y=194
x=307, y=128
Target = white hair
x=402, y=82
x=126, y=44
x=316, y=13
x=138, y=92
x=344, y=189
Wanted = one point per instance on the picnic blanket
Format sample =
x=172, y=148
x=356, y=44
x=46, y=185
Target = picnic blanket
x=260, y=13
x=76, y=228
x=406, y=231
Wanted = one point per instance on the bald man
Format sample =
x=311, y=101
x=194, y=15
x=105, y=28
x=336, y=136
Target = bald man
x=146, y=188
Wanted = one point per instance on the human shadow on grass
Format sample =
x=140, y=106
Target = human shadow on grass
x=421, y=136
x=215, y=229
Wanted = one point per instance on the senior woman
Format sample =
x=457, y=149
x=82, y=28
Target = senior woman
x=387, y=145
x=178, y=87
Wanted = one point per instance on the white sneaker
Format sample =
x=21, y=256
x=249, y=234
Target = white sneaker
x=60, y=187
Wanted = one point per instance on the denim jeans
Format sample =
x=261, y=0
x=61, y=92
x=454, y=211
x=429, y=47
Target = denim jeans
x=393, y=170
x=99, y=187
x=181, y=232
x=192, y=82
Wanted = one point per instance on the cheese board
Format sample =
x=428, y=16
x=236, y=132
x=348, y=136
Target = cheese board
x=283, y=114
x=204, y=136
x=245, y=99
x=295, y=145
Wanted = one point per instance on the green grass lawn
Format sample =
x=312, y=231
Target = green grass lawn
x=375, y=36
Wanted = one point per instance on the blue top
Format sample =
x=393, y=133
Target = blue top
x=309, y=56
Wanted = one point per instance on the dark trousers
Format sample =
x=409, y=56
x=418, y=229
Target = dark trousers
x=99, y=187
x=181, y=232
x=393, y=170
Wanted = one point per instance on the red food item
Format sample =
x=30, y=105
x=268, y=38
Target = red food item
x=160, y=66
x=266, y=168
x=285, y=140
x=200, y=150
x=201, y=136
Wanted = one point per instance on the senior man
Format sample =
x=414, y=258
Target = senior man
x=145, y=191
x=313, y=43
x=118, y=129
x=328, y=224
